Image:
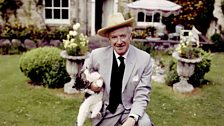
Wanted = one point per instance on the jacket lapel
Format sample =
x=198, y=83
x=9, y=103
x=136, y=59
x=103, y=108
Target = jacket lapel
x=130, y=63
x=107, y=67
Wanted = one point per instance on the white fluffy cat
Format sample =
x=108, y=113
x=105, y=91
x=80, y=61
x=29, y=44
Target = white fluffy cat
x=92, y=104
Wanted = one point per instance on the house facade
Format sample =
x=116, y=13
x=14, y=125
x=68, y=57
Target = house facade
x=91, y=14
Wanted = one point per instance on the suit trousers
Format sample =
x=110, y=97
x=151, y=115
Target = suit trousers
x=119, y=117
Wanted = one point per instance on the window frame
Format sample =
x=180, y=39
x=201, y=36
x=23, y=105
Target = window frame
x=60, y=20
x=149, y=17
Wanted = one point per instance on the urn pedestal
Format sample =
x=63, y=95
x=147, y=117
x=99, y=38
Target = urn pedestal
x=73, y=66
x=185, y=69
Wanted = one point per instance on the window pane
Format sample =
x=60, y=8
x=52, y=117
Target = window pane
x=56, y=3
x=64, y=14
x=156, y=17
x=141, y=16
x=48, y=13
x=56, y=13
x=48, y=3
x=148, y=18
x=64, y=3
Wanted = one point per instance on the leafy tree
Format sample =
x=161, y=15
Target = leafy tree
x=194, y=12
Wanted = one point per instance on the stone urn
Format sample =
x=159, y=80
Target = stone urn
x=185, y=69
x=73, y=66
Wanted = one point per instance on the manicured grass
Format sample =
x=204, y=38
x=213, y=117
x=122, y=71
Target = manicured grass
x=203, y=107
x=22, y=104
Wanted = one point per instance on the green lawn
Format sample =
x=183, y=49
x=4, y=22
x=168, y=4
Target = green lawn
x=24, y=105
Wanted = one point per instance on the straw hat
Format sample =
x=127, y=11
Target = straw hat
x=115, y=21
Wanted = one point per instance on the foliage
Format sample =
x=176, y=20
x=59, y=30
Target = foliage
x=142, y=46
x=139, y=34
x=151, y=31
x=203, y=19
x=76, y=43
x=218, y=42
x=56, y=34
x=172, y=75
x=186, y=49
x=193, y=12
x=200, y=70
x=9, y=5
x=44, y=66
x=17, y=31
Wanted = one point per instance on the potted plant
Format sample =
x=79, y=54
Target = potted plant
x=187, y=54
x=76, y=50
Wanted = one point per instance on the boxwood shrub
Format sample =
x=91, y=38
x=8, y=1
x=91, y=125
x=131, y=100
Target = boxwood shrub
x=44, y=66
x=197, y=78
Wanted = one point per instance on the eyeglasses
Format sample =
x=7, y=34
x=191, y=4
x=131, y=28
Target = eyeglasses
x=123, y=37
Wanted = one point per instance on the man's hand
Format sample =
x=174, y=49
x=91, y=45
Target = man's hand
x=129, y=122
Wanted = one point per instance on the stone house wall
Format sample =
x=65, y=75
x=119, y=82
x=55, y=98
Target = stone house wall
x=31, y=13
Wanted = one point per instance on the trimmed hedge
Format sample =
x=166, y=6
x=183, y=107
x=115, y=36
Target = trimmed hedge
x=44, y=66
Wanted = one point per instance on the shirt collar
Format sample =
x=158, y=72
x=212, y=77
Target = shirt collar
x=125, y=55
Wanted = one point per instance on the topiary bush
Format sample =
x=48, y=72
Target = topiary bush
x=44, y=66
x=197, y=78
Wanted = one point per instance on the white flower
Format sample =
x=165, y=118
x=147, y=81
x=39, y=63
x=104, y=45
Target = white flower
x=72, y=40
x=76, y=42
x=66, y=43
x=73, y=33
x=76, y=26
x=83, y=43
x=68, y=36
x=178, y=49
x=73, y=45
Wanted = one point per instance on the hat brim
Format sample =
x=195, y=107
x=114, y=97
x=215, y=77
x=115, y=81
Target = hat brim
x=104, y=31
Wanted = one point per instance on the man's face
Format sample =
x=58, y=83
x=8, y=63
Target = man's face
x=120, y=39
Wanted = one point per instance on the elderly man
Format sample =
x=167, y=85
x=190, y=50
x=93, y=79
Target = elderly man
x=126, y=72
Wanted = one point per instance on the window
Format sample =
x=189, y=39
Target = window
x=141, y=16
x=56, y=11
x=156, y=17
x=148, y=18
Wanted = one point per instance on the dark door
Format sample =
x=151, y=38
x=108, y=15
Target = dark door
x=98, y=14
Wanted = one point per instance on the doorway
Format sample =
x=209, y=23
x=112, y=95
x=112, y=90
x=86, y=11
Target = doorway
x=98, y=14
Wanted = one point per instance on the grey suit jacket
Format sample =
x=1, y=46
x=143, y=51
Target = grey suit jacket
x=137, y=76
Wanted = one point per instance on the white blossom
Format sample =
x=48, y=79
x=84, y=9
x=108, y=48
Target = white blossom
x=75, y=40
x=66, y=43
x=76, y=26
x=73, y=33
